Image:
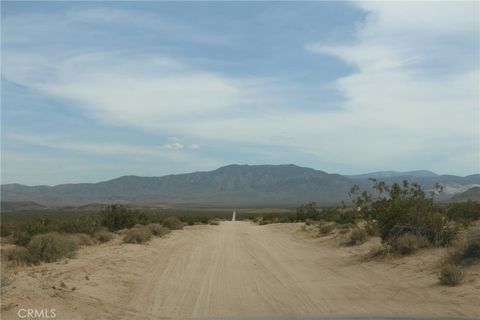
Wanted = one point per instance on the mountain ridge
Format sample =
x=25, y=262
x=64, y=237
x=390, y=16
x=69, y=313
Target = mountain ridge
x=231, y=184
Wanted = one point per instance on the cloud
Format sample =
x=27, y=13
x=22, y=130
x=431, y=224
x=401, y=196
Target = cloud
x=412, y=99
x=165, y=151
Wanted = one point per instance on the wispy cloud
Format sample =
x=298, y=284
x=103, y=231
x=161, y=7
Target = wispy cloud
x=411, y=102
x=166, y=151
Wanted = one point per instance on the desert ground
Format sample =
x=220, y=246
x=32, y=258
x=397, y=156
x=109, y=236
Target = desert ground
x=238, y=269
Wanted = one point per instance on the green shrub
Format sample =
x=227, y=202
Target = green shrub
x=138, y=235
x=116, y=217
x=472, y=248
x=173, y=223
x=408, y=243
x=157, y=230
x=17, y=255
x=448, y=234
x=371, y=228
x=401, y=209
x=103, y=236
x=451, y=275
x=357, y=236
x=50, y=247
x=463, y=211
x=21, y=237
x=326, y=228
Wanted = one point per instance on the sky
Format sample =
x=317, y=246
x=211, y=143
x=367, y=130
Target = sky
x=91, y=91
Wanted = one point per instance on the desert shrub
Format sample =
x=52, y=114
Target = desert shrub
x=466, y=251
x=343, y=216
x=463, y=211
x=345, y=226
x=115, y=217
x=264, y=222
x=448, y=234
x=83, y=238
x=103, y=236
x=408, y=243
x=173, y=223
x=157, y=230
x=401, y=209
x=17, y=255
x=472, y=247
x=357, y=236
x=371, y=228
x=326, y=228
x=213, y=222
x=26, y=230
x=138, y=235
x=50, y=247
x=77, y=223
x=451, y=275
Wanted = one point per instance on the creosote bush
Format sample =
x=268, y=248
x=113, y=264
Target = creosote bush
x=138, y=235
x=51, y=246
x=408, y=243
x=357, y=236
x=83, y=239
x=451, y=275
x=103, y=236
x=157, y=230
x=115, y=217
x=18, y=255
x=173, y=223
x=472, y=247
x=467, y=250
x=448, y=234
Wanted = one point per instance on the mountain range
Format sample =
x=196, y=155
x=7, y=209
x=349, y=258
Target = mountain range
x=233, y=185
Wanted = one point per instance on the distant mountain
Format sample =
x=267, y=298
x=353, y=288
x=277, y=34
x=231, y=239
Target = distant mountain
x=20, y=206
x=229, y=185
x=471, y=194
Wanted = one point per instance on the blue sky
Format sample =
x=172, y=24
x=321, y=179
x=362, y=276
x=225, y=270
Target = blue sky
x=95, y=90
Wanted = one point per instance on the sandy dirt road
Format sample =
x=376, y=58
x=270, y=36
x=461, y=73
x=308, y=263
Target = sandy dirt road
x=234, y=269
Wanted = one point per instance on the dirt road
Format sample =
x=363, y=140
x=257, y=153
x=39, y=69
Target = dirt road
x=236, y=268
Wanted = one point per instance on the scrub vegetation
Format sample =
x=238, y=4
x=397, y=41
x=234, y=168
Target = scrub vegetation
x=406, y=219
x=51, y=235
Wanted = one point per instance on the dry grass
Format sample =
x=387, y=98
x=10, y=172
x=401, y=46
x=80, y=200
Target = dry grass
x=51, y=246
x=157, y=230
x=173, y=223
x=138, y=235
x=408, y=244
x=357, y=236
x=103, y=236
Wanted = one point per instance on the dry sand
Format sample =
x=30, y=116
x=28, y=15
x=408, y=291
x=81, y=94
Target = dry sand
x=237, y=269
